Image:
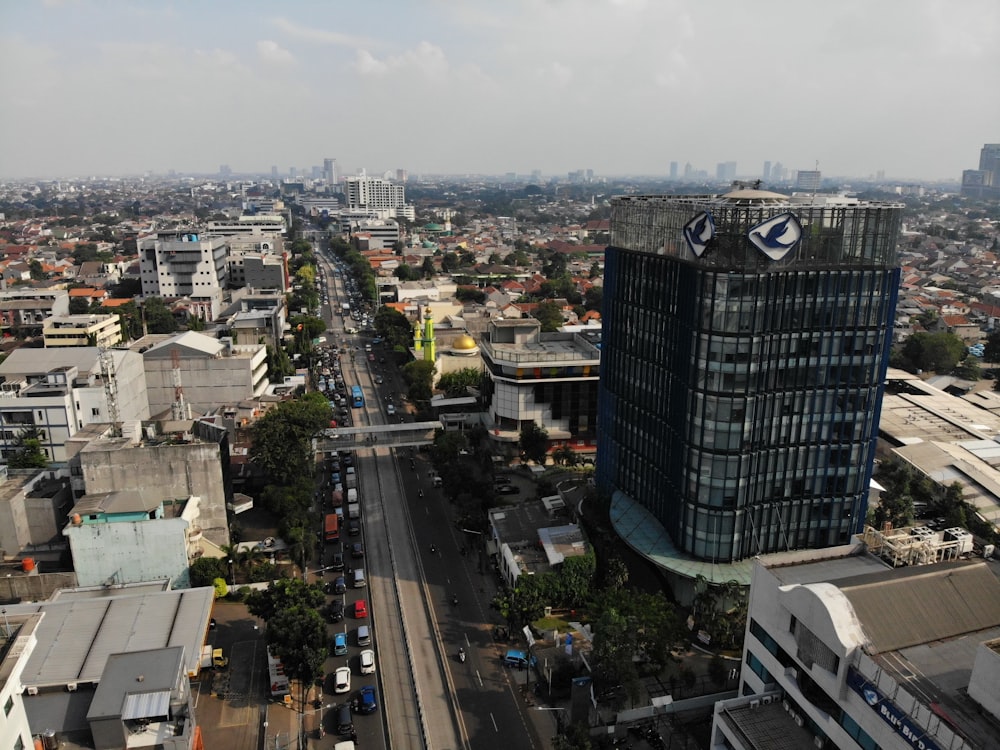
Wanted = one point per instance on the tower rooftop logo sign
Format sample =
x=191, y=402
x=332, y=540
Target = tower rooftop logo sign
x=777, y=236
x=699, y=232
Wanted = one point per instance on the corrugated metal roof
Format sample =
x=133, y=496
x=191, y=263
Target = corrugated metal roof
x=77, y=635
x=925, y=604
x=146, y=705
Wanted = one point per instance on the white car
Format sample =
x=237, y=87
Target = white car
x=367, y=661
x=342, y=680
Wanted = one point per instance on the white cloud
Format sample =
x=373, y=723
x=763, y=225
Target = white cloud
x=273, y=53
x=322, y=36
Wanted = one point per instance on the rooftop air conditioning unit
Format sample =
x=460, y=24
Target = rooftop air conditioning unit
x=799, y=720
x=755, y=703
x=71, y=687
x=32, y=690
x=819, y=742
x=767, y=700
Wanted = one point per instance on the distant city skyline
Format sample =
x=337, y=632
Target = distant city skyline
x=622, y=87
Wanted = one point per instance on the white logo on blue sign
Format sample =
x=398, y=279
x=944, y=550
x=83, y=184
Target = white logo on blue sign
x=777, y=236
x=699, y=232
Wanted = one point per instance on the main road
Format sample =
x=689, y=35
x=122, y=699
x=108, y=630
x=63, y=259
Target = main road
x=429, y=698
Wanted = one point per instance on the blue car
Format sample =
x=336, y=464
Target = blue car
x=340, y=644
x=367, y=704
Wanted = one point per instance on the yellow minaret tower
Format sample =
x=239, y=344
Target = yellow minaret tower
x=430, y=344
x=418, y=341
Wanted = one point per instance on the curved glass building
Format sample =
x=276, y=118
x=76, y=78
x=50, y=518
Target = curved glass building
x=745, y=343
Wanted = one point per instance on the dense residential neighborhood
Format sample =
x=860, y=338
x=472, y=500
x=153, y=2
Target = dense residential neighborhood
x=215, y=384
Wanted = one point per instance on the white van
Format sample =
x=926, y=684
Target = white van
x=390, y=410
x=359, y=580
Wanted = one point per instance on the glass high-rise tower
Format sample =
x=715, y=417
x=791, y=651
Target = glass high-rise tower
x=745, y=344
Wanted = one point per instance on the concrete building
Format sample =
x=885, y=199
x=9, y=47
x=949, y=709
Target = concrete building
x=745, y=343
x=212, y=371
x=844, y=651
x=257, y=225
x=78, y=677
x=260, y=317
x=985, y=181
x=549, y=379
x=129, y=536
x=181, y=461
x=34, y=506
x=17, y=643
x=181, y=264
x=808, y=180
x=534, y=537
x=25, y=310
x=374, y=234
x=82, y=330
x=59, y=391
x=386, y=200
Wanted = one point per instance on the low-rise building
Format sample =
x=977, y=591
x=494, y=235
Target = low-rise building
x=25, y=310
x=34, y=506
x=533, y=537
x=844, y=651
x=82, y=330
x=56, y=392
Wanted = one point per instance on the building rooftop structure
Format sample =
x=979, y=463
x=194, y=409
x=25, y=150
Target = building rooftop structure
x=894, y=654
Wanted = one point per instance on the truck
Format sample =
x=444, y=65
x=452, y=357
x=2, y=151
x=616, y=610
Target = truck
x=213, y=657
x=277, y=678
x=354, y=510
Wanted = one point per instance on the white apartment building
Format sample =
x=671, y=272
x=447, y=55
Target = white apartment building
x=18, y=641
x=385, y=199
x=249, y=224
x=183, y=264
x=59, y=391
x=82, y=330
x=845, y=651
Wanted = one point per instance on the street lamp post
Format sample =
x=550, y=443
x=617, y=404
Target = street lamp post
x=232, y=571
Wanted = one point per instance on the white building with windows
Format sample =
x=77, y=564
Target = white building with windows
x=844, y=651
x=183, y=264
x=56, y=392
x=384, y=199
x=82, y=330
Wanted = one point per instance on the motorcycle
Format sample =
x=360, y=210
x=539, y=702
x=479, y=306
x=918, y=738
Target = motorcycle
x=461, y=655
x=454, y=599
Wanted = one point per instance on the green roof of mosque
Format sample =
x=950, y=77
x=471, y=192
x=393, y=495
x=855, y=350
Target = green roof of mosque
x=433, y=227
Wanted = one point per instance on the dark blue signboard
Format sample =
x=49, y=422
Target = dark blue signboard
x=890, y=713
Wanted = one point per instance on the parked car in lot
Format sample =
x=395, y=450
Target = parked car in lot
x=335, y=611
x=508, y=489
x=340, y=644
x=357, y=550
x=342, y=680
x=501, y=480
x=360, y=609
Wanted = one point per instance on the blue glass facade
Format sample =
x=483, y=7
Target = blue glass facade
x=741, y=374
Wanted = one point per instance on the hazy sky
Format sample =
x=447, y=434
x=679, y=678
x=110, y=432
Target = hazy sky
x=493, y=86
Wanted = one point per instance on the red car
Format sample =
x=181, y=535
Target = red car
x=360, y=609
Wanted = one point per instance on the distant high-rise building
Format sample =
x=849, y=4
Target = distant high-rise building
x=224, y=170
x=330, y=171
x=293, y=172
x=745, y=344
x=274, y=173
x=384, y=199
x=402, y=175
x=316, y=172
x=688, y=171
x=536, y=174
x=725, y=171
x=767, y=171
x=673, y=170
x=778, y=172
x=985, y=181
x=808, y=179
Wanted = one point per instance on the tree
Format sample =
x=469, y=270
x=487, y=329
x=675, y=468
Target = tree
x=549, y=315
x=457, y=383
x=449, y=262
x=934, y=352
x=564, y=455
x=28, y=452
x=534, y=443
x=205, y=570
x=717, y=670
x=991, y=352
x=419, y=375
x=393, y=327
x=158, y=317
x=79, y=306
x=969, y=368
x=221, y=587
x=427, y=268
x=281, y=438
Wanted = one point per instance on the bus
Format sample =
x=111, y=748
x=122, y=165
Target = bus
x=331, y=528
x=345, y=308
x=357, y=397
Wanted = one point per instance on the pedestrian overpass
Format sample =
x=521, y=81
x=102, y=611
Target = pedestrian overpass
x=402, y=435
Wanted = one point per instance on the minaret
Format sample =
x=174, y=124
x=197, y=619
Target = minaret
x=418, y=341
x=430, y=345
